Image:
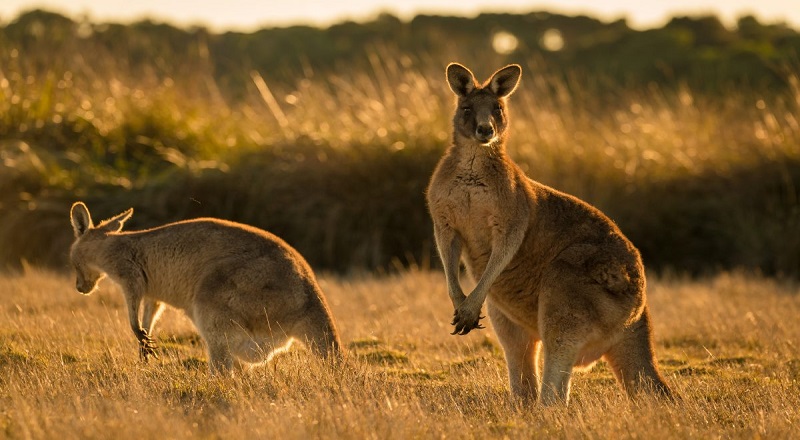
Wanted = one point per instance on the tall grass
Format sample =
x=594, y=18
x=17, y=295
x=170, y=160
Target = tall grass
x=338, y=164
x=69, y=367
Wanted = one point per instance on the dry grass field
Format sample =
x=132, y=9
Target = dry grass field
x=69, y=368
x=337, y=164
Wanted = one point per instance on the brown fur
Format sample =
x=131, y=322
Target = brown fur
x=556, y=273
x=246, y=290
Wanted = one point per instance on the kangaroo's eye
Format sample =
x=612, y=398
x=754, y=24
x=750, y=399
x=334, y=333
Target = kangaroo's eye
x=497, y=109
x=467, y=110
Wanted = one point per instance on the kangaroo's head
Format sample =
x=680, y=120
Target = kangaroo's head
x=481, y=113
x=86, y=253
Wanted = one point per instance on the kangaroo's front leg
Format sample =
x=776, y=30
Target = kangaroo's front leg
x=147, y=346
x=507, y=237
x=449, y=245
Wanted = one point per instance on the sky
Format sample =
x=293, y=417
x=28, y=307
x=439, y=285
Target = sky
x=248, y=15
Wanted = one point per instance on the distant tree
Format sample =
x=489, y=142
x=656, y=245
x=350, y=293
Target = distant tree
x=707, y=30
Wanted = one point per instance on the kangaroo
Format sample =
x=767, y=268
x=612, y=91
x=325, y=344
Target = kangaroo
x=556, y=274
x=248, y=292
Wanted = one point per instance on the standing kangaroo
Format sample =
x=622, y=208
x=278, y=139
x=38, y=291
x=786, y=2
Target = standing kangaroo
x=246, y=290
x=555, y=272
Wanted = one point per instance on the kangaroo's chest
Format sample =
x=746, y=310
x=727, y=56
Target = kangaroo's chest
x=467, y=201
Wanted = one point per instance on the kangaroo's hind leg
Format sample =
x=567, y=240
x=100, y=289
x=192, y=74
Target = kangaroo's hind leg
x=568, y=319
x=218, y=339
x=633, y=361
x=316, y=329
x=559, y=359
x=221, y=332
x=521, y=350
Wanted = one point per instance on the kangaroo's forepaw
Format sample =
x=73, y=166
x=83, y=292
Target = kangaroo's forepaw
x=465, y=321
x=147, y=348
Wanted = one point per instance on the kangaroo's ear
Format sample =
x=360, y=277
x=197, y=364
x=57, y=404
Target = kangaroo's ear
x=114, y=224
x=80, y=218
x=505, y=80
x=460, y=79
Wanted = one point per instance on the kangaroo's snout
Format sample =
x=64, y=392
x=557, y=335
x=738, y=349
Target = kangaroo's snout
x=85, y=288
x=484, y=132
x=85, y=285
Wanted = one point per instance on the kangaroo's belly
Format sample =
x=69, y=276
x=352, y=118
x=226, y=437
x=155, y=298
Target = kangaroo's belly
x=517, y=290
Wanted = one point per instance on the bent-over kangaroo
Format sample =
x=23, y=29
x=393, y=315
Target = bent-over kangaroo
x=555, y=272
x=246, y=290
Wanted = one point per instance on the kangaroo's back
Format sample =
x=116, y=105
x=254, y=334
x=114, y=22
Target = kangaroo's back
x=179, y=257
x=575, y=233
x=207, y=239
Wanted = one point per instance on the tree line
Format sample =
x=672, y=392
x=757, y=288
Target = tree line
x=698, y=51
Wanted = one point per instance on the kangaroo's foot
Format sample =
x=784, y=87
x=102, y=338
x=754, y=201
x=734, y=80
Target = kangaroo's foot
x=147, y=347
x=466, y=318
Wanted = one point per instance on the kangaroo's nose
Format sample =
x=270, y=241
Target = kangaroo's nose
x=84, y=287
x=484, y=132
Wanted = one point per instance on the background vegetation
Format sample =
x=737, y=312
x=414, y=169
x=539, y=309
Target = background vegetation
x=688, y=136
